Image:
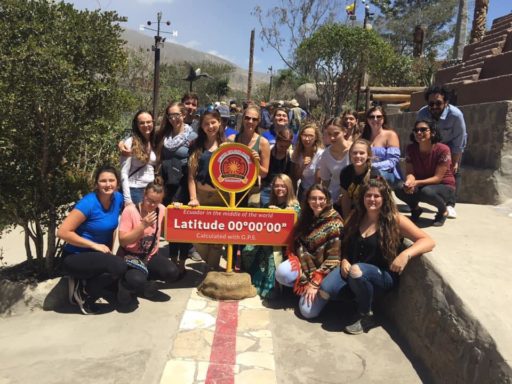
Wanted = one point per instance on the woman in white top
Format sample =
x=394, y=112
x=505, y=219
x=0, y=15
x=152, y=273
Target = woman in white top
x=138, y=169
x=305, y=157
x=334, y=158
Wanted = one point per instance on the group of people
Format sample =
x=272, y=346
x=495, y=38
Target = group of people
x=338, y=179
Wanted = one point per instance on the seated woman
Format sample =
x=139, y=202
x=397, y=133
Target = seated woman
x=279, y=163
x=315, y=251
x=352, y=176
x=139, y=235
x=371, y=260
x=385, y=145
x=88, y=231
x=334, y=158
x=260, y=261
x=138, y=169
x=429, y=174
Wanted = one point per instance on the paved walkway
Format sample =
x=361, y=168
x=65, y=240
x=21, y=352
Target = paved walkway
x=191, y=339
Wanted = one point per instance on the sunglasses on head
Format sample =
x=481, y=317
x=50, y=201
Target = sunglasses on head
x=437, y=103
x=422, y=130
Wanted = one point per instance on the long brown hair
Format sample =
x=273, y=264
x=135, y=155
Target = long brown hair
x=139, y=142
x=367, y=131
x=387, y=224
x=166, y=127
x=307, y=215
x=197, y=147
x=299, y=149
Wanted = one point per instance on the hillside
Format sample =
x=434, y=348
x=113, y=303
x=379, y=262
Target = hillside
x=172, y=53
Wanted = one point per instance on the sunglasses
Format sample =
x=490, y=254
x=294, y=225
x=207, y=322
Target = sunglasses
x=422, y=130
x=375, y=117
x=437, y=103
x=249, y=118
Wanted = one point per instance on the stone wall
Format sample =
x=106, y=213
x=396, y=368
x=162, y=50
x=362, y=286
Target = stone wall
x=487, y=162
x=447, y=338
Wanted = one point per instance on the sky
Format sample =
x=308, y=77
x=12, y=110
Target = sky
x=221, y=27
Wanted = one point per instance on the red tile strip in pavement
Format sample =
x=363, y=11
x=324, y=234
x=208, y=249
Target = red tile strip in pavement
x=223, y=354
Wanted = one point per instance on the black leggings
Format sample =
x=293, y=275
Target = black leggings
x=159, y=267
x=435, y=194
x=98, y=269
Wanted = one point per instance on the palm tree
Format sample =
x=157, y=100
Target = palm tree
x=479, y=20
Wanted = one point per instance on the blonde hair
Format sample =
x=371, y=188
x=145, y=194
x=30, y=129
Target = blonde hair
x=291, y=198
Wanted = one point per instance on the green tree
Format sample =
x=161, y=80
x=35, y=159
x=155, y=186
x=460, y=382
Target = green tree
x=334, y=57
x=59, y=104
x=398, y=18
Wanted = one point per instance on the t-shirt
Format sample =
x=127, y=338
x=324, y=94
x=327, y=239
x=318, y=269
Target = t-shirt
x=425, y=164
x=100, y=224
x=329, y=169
x=130, y=219
x=350, y=182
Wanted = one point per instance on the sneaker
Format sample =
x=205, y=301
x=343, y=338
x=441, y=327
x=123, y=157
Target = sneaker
x=194, y=255
x=150, y=289
x=416, y=213
x=124, y=296
x=89, y=307
x=451, y=212
x=83, y=300
x=362, y=324
x=439, y=219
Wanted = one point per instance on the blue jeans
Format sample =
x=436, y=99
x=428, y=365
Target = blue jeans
x=265, y=195
x=330, y=287
x=372, y=278
x=137, y=195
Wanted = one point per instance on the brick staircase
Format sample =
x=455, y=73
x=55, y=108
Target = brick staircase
x=476, y=54
x=485, y=73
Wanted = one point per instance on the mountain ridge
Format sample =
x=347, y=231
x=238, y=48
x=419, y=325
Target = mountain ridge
x=176, y=53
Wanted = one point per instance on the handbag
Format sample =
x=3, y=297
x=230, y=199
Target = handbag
x=172, y=171
x=139, y=261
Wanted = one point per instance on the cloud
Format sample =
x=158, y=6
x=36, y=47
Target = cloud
x=218, y=54
x=190, y=44
x=154, y=1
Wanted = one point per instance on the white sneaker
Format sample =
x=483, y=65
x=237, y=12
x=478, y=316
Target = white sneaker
x=451, y=212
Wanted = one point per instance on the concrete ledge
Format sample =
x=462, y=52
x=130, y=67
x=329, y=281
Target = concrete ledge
x=441, y=330
x=18, y=298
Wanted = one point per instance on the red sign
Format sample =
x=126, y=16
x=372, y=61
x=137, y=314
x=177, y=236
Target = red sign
x=233, y=168
x=215, y=225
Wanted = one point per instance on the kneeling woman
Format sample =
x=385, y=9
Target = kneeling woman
x=371, y=260
x=88, y=231
x=315, y=251
x=429, y=173
x=139, y=234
